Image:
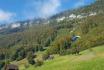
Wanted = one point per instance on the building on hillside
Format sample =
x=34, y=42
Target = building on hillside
x=72, y=16
x=11, y=67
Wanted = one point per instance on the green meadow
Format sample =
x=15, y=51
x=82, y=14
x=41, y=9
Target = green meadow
x=87, y=60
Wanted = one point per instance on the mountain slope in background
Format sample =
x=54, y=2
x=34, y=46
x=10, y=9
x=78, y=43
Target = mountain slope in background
x=53, y=35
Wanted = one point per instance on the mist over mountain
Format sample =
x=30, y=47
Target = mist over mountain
x=41, y=43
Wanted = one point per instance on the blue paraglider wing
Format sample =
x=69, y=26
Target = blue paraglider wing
x=74, y=38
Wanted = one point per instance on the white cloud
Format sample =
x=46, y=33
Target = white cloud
x=50, y=8
x=42, y=8
x=6, y=16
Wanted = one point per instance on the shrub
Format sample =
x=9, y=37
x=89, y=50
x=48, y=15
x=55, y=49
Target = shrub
x=62, y=52
x=30, y=58
x=26, y=65
x=39, y=63
x=2, y=63
x=31, y=61
x=45, y=55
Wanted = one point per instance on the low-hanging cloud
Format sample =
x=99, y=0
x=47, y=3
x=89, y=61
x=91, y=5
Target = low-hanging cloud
x=6, y=16
x=42, y=8
x=47, y=8
x=50, y=8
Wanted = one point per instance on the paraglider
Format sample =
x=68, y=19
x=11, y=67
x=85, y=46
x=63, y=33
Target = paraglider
x=74, y=38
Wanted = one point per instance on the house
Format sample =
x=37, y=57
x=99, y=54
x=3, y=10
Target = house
x=72, y=16
x=60, y=19
x=11, y=67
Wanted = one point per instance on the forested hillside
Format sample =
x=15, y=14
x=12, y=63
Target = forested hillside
x=64, y=37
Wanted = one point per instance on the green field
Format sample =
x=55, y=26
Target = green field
x=87, y=60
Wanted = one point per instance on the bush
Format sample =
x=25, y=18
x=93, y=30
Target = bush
x=2, y=63
x=45, y=55
x=19, y=58
x=39, y=63
x=31, y=61
x=62, y=52
x=30, y=58
x=26, y=65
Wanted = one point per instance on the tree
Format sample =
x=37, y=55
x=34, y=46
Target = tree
x=2, y=63
x=39, y=63
x=30, y=57
x=45, y=55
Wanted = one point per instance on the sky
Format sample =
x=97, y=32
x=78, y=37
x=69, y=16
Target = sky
x=17, y=10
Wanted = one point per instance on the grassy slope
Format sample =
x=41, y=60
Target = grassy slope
x=88, y=60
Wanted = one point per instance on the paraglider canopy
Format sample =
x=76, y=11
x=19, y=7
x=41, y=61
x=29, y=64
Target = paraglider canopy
x=74, y=38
